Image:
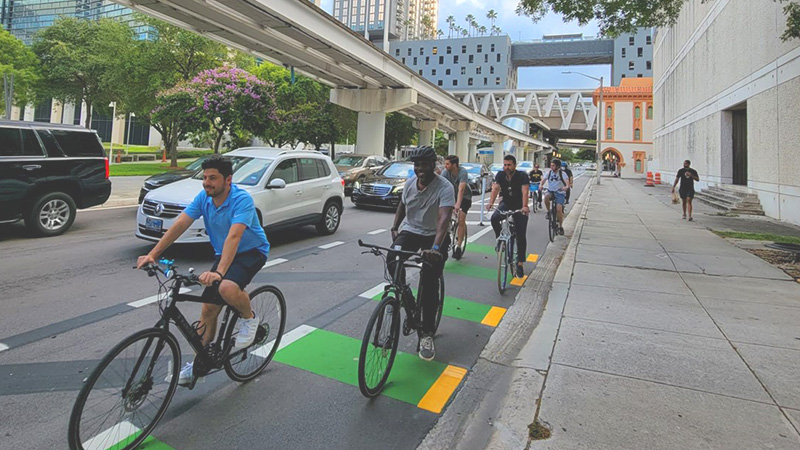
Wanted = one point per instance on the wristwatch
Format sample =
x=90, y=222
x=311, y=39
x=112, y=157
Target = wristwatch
x=436, y=247
x=221, y=276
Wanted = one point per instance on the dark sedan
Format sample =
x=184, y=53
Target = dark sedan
x=163, y=179
x=384, y=188
x=475, y=172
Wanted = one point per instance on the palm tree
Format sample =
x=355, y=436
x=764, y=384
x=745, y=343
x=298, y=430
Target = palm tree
x=458, y=30
x=491, y=15
x=439, y=34
x=464, y=33
x=451, y=21
x=474, y=25
x=496, y=31
x=482, y=30
x=469, y=19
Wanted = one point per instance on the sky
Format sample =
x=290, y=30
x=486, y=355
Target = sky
x=523, y=28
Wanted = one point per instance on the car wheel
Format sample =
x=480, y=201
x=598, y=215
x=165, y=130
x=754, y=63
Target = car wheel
x=51, y=214
x=331, y=216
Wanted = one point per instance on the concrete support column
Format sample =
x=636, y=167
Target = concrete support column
x=473, y=150
x=498, y=142
x=427, y=131
x=371, y=133
x=451, y=145
x=462, y=145
x=372, y=106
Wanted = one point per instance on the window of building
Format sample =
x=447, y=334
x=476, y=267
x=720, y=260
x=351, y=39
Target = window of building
x=638, y=75
x=609, y=112
x=623, y=52
x=449, y=49
x=650, y=112
x=491, y=69
x=478, y=70
x=435, y=50
x=420, y=72
x=463, y=49
x=486, y=58
x=640, y=52
x=609, y=134
x=455, y=59
x=455, y=82
x=649, y=65
x=469, y=82
x=427, y=60
x=404, y=60
x=637, y=135
x=492, y=47
x=415, y=60
x=630, y=65
x=421, y=51
x=471, y=59
x=498, y=57
x=397, y=52
x=480, y=48
x=409, y=51
x=622, y=76
x=433, y=72
x=497, y=81
x=463, y=70
x=648, y=40
x=441, y=60
x=447, y=72
x=485, y=81
x=631, y=41
x=637, y=113
x=439, y=83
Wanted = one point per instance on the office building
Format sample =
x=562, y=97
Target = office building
x=633, y=56
x=405, y=19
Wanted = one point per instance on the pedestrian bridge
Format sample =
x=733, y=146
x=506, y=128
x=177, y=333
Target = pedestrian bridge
x=566, y=50
x=565, y=113
x=364, y=78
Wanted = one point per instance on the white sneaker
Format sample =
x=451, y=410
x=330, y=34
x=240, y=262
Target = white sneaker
x=186, y=375
x=246, y=332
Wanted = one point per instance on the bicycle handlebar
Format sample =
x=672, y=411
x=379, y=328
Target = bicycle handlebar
x=168, y=270
x=508, y=213
x=376, y=250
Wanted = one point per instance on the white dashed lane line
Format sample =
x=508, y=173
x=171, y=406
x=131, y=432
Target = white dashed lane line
x=373, y=292
x=378, y=231
x=153, y=299
x=331, y=245
x=3, y=347
x=274, y=262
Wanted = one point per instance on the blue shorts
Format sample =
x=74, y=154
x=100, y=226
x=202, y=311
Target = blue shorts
x=560, y=197
x=245, y=266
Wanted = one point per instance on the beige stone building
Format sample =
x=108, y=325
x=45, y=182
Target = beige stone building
x=627, y=124
x=726, y=92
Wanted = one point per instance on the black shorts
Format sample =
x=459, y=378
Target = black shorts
x=244, y=267
x=686, y=193
x=466, y=204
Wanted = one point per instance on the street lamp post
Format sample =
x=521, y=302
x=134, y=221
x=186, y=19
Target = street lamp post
x=128, y=140
x=113, y=116
x=599, y=123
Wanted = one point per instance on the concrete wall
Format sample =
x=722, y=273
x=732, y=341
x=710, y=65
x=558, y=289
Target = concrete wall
x=704, y=67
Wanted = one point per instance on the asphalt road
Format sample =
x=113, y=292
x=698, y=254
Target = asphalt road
x=65, y=302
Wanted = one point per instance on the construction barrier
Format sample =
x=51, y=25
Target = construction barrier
x=658, y=178
x=649, y=182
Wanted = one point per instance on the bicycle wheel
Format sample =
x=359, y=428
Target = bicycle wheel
x=379, y=347
x=269, y=305
x=502, y=267
x=533, y=203
x=127, y=393
x=552, y=226
x=453, y=238
x=463, y=245
x=440, y=306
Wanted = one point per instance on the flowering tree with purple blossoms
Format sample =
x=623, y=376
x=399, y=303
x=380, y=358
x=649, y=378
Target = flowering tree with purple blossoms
x=228, y=98
x=170, y=118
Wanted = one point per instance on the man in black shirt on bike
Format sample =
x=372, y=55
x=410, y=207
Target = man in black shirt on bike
x=513, y=186
x=421, y=222
x=536, y=177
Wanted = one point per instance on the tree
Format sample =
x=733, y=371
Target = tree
x=439, y=34
x=441, y=143
x=496, y=31
x=616, y=17
x=492, y=16
x=586, y=154
x=482, y=30
x=77, y=59
x=170, y=118
x=399, y=131
x=469, y=19
x=228, y=99
x=18, y=60
x=451, y=22
x=464, y=33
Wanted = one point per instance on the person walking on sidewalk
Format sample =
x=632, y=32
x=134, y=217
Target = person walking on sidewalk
x=686, y=176
x=513, y=186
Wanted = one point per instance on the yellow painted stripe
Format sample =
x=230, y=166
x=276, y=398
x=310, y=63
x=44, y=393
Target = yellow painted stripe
x=441, y=391
x=519, y=281
x=533, y=257
x=493, y=316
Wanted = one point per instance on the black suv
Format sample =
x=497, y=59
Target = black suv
x=47, y=171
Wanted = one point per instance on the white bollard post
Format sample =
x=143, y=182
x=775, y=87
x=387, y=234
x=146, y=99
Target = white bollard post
x=483, y=196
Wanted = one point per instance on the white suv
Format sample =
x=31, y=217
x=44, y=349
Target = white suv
x=290, y=189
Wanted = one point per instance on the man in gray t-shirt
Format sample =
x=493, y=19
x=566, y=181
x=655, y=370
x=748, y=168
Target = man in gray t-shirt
x=459, y=178
x=421, y=223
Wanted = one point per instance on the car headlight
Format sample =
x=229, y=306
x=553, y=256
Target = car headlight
x=397, y=189
x=357, y=185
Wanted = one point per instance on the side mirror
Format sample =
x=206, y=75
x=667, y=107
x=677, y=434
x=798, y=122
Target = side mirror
x=276, y=183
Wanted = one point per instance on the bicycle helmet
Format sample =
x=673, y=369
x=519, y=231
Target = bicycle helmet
x=423, y=153
x=563, y=164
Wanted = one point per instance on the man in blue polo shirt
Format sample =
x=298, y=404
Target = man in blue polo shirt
x=240, y=245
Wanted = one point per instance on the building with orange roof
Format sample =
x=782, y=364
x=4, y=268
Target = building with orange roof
x=627, y=126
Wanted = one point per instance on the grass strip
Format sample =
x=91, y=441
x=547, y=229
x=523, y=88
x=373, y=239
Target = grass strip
x=139, y=169
x=759, y=237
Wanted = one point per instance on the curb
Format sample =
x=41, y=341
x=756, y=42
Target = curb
x=494, y=406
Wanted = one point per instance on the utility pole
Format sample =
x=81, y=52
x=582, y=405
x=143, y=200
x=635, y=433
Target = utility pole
x=8, y=93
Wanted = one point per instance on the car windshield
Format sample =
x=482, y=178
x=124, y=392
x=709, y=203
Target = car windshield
x=349, y=161
x=472, y=168
x=525, y=165
x=196, y=164
x=496, y=167
x=246, y=171
x=398, y=170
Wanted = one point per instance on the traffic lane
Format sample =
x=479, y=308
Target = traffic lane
x=75, y=277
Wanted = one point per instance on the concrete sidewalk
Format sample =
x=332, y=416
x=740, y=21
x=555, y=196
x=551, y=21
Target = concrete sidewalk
x=666, y=336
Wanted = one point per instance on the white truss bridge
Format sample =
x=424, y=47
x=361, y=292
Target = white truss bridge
x=566, y=113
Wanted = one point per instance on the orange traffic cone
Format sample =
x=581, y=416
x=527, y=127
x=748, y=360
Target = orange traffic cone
x=164, y=156
x=119, y=156
x=649, y=181
x=658, y=178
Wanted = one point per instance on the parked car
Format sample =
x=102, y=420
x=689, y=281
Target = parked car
x=165, y=178
x=475, y=171
x=356, y=167
x=290, y=189
x=495, y=169
x=525, y=166
x=384, y=188
x=47, y=171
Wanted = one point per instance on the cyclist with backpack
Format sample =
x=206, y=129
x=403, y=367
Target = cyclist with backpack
x=557, y=182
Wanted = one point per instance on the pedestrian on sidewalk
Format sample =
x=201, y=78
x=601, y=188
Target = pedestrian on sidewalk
x=686, y=176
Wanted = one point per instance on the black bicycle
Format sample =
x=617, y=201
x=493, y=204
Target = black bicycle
x=506, y=249
x=454, y=237
x=552, y=219
x=379, y=345
x=127, y=394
